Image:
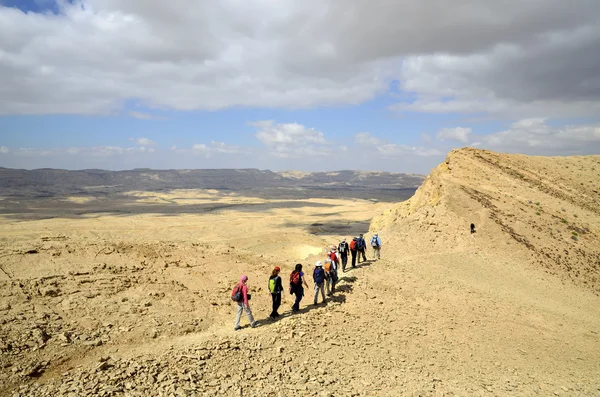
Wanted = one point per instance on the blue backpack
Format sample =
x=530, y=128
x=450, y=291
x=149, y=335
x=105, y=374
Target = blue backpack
x=319, y=275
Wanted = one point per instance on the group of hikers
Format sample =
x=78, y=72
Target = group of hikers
x=325, y=277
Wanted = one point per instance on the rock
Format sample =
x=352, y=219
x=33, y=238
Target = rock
x=65, y=337
x=93, y=343
x=4, y=306
x=49, y=291
x=34, y=369
x=40, y=335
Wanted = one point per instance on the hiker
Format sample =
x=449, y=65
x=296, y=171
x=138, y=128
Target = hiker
x=330, y=276
x=333, y=255
x=376, y=244
x=242, y=298
x=276, y=289
x=319, y=279
x=353, y=250
x=362, y=247
x=343, y=252
x=296, y=281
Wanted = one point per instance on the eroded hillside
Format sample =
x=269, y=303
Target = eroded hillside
x=543, y=210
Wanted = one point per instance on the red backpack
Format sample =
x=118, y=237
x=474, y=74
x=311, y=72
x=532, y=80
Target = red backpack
x=353, y=245
x=295, y=278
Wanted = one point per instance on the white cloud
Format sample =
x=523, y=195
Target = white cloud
x=145, y=116
x=215, y=148
x=4, y=150
x=460, y=134
x=535, y=136
x=394, y=150
x=291, y=139
x=365, y=138
x=143, y=141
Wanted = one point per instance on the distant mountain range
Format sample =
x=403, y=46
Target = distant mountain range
x=48, y=183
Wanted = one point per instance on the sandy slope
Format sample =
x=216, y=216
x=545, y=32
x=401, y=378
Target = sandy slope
x=139, y=305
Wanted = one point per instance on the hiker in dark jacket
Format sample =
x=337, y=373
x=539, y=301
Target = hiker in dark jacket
x=296, y=281
x=319, y=279
x=276, y=289
x=362, y=247
x=343, y=251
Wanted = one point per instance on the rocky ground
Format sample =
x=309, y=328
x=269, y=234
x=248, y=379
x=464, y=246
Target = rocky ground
x=139, y=305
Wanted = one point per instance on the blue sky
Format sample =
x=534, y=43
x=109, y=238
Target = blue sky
x=107, y=84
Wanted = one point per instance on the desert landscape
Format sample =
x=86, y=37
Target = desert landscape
x=121, y=287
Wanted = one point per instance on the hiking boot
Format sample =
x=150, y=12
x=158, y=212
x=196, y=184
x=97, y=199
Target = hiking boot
x=237, y=328
x=254, y=324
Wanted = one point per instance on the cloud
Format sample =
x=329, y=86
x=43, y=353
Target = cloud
x=145, y=116
x=365, y=138
x=454, y=134
x=535, y=136
x=143, y=141
x=394, y=150
x=4, y=150
x=291, y=139
x=215, y=148
x=291, y=54
x=552, y=74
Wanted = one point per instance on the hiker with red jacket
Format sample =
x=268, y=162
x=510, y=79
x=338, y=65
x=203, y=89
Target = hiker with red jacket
x=296, y=281
x=333, y=255
x=354, y=250
x=241, y=296
x=343, y=252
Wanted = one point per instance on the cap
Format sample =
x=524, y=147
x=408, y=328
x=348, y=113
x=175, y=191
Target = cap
x=318, y=264
x=244, y=278
x=277, y=268
x=333, y=247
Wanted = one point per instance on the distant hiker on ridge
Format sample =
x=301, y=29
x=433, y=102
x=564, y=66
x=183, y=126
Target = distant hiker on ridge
x=343, y=252
x=241, y=296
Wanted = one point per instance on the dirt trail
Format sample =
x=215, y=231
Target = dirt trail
x=137, y=306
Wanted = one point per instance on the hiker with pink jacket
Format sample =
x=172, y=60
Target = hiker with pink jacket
x=241, y=296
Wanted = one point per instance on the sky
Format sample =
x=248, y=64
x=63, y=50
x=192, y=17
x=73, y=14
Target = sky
x=312, y=85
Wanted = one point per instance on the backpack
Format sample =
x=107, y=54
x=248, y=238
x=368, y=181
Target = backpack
x=273, y=284
x=236, y=294
x=343, y=246
x=295, y=278
x=374, y=242
x=319, y=275
x=327, y=267
x=353, y=245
